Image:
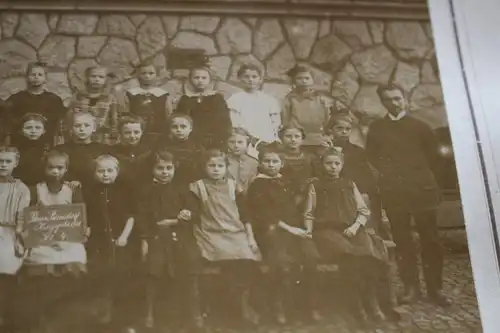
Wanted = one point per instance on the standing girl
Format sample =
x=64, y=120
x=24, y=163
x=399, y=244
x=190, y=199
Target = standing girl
x=207, y=108
x=35, y=99
x=337, y=215
x=112, y=248
x=149, y=102
x=252, y=109
x=98, y=101
x=53, y=267
x=166, y=216
x=14, y=198
x=306, y=108
x=224, y=236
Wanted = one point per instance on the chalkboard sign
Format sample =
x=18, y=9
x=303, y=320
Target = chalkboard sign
x=46, y=225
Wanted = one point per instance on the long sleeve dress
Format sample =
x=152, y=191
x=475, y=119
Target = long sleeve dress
x=30, y=169
x=221, y=234
x=187, y=154
x=47, y=104
x=298, y=169
x=271, y=201
x=135, y=162
x=257, y=112
x=172, y=250
x=154, y=106
x=14, y=198
x=211, y=119
x=334, y=204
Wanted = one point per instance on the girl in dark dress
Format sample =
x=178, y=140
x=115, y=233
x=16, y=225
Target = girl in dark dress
x=32, y=146
x=337, y=215
x=298, y=165
x=35, y=99
x=284, y=240
x=150, y=102
x=166, y=216
x=210, y=113
x=357, y=167
x=132, y=151
x=187, y=151
x=112, y=247
x=81, y=149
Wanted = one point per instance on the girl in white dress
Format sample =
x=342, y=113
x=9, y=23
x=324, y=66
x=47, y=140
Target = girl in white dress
x=14, y=197
x=51, y=268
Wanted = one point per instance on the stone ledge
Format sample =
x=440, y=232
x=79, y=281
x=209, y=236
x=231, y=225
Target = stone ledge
x=383, y=9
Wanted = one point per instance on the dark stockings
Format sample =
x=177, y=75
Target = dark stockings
x=239, y=276
x=8, y=285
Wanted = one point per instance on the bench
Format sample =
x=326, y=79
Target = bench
x=322, y=268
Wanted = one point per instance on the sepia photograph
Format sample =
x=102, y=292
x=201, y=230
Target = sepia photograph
x=231, y=166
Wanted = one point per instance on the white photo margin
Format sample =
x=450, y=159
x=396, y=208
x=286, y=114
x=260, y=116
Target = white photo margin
x=468, y=50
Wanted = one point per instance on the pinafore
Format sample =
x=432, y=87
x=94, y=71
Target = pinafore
x=221, y=234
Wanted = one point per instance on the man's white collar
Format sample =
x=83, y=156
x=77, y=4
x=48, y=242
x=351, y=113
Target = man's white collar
x=398, y=117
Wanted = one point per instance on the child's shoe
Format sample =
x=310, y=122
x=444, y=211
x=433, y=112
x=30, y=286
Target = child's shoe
x=249, y=315
x=280, y=314
x=198, y=323
x=316, y=316
x=149, y=322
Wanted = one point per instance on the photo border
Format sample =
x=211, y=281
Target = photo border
x=474, y=152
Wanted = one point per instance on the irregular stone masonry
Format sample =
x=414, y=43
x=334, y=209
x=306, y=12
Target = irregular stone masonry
x=350, y=57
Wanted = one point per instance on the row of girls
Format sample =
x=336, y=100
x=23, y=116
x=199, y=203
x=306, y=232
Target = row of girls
x=177, y=189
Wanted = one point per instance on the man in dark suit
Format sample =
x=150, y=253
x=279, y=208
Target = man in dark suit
x=405, y=152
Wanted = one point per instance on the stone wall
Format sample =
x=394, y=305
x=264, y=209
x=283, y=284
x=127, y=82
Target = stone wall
x=351, y=57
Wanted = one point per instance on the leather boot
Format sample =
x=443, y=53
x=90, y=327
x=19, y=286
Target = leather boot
x=280, y=313
x=249, y=315
x=194, y=305
x=439, y=298
x=410, y=295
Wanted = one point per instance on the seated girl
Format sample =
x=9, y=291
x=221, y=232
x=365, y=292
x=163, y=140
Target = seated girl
x=223, y=234
x=337, y=215
x=52, y=267
x=285, y=242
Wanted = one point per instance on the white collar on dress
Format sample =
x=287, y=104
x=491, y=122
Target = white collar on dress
x=155, y=91
x=200, y=94
x=263, y=176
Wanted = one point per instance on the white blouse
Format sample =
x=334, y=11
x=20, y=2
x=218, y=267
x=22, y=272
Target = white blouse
x=257, y=112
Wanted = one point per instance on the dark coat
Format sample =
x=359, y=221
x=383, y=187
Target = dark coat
x=405, y=153
x=358, y=169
